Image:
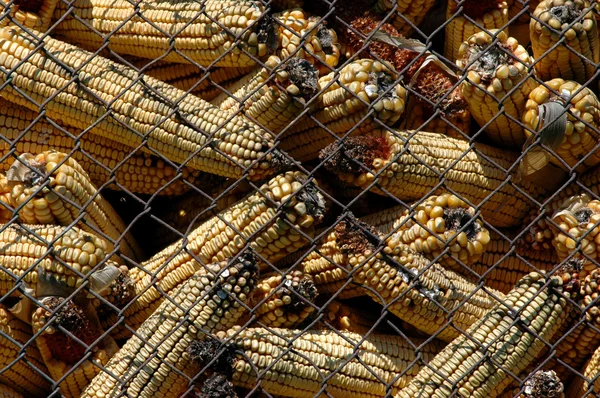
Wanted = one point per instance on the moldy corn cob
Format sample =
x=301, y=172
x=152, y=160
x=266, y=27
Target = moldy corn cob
x=283, y=300
x=52, y=188
x=572, y=25
x=508, y=338
x=364, y=95
x=139, y=172
x=541, y=384
x=201, y=32
x=431, y=226
x=408, y=285
x=493, y=69
x=436, y=96
x=272, y=96
x=256, y=221
x=474, y=16
x=577, y=145
x=18, y=373
x=156, y=359
x=411, y=174
x=177, y=132
x=62, y=351
x=300, y=364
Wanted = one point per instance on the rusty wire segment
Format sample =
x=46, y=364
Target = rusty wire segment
x=299, y=198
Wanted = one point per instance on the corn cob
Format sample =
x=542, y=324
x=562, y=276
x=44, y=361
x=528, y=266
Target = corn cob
x=20, y=373
x=406, y=14
x=300, y=364
x=269, y=233
x=418, y=116
x=307, y=37
x=240, y=144
x=578, y=232
x=501, y=268
x=211, y=300
x=7, y=392
x=29, y=14
x=432, y=226
x=588, y=385
x=493, y=68
x=204, y=83
x=7, y=206
x=476, y=15
x=52, y=188
x=430, y=82
x=272, y=96
x=578, y=147
x=349, y=101
x=139, y=172
x=508, y=338
x=564, y=38
x=65, y=254
x=515, y=7
x=204, y=33
x=62, y=351
x=283, y=301
x=541, y=384
x=411, y=174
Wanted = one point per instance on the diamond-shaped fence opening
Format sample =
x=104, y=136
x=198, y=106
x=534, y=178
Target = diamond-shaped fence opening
x=288, y=198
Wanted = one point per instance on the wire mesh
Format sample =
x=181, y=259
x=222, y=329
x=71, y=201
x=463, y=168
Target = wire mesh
x=292, y=198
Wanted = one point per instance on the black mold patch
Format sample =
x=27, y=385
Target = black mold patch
x=383, y=81
x=565, y=14
x=583, y=215
x=314, y=201
x=307, y=289
x=543, y=385
x=303, y=75
x=203, y=352
x=457, y=218
x=267, y=32
x=326, y=39
x=217, y=386
x=488, y=59
x=354, y=152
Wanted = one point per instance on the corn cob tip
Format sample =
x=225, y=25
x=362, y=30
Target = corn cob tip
x=307, y=291
x=300, y=78
x=217, y=386
x=74, y=319
x=267, y=32
x=565, y=13
x=26, y=170
x=220, y=357
x=120, y=292
x=354, y=235
x=355, y=154
x=543, y=384
x=484, y=58
x=569, y=276
x=314, y=201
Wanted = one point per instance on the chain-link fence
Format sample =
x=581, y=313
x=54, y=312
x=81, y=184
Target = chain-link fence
x=292, y=198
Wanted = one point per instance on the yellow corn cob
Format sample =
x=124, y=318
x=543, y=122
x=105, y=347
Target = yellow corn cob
x=363, y=89
x=587, y=386
x=52, y=188
x=475, y=16
x=7, y=392
x=18, y=373
x=178, y=136
x=7, y=206
x=254, y=220
x=508, y=338
x=30, y=14
x=307, y=37
x=272, y=96
x=140, y=172
x=501, y=268
x=431, y=226
x=515, y=7
x=201, y=32
x=578, y=232
x=407, y=12
x=580, y=339
x=583, y=118
x=412, y=173
x=577, y=53
x=72, y=254
x=300, y=364
x=541, y=384
x=61, y=352
x=493, y=70
x=384, y=278
x=283, y=301
x=209, y=301
x=198, y=81
x=417, y=117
